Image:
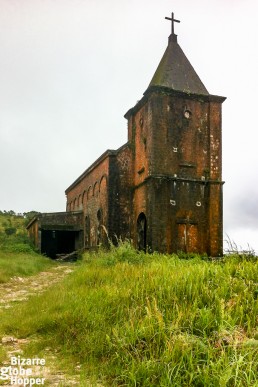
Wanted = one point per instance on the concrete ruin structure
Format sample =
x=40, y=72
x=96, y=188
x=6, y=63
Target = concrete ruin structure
x=163, y=188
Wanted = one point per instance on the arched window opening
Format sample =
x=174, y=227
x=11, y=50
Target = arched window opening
x=89, y=193
x=95, y=189
x=87, y=232
x=100, y=215
x=100, y=225
x=142, y=232
x=84, y=197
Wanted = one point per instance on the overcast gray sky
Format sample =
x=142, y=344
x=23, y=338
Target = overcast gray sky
x=70, y=69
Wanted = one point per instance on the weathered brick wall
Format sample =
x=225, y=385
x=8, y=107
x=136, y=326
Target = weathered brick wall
x=141, y=145
x=90, y=194
x=215, y=225
x=169, y=206
x=139, y=135
x=176, y=153
x=140, y=205
x=179, y=205
x=120, y=194
x=180, y=132
x=215, y=139
x=170, y=171
x=104, y=194
x=54, y=219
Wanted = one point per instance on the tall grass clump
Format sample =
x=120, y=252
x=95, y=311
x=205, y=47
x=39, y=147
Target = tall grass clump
x=134, y=319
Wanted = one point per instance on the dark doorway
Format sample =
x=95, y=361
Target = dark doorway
x=55, y=242
x=141, y=231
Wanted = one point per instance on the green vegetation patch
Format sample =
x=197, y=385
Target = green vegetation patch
x=21, y=264
x=134, y=319
x=13, y=234
x=17, y=255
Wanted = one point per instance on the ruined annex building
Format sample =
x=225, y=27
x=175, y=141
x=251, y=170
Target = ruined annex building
x=163, y=188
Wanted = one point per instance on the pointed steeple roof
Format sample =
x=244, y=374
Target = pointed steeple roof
x=176, y=72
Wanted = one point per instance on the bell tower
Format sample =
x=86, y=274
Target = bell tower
x=175, y=136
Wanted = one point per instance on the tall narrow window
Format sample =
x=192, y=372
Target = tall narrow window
x=87, y=232
x=100, y=225
x=142, y=232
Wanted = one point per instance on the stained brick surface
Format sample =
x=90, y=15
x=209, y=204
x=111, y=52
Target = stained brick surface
x=170, y=170
x=163, y=188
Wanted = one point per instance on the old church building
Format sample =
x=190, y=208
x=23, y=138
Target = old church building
x=163, y=188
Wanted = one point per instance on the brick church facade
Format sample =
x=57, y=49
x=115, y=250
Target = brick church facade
x=163, y=188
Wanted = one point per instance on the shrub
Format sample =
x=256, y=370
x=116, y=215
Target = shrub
x=20, y=248
x=10, y=230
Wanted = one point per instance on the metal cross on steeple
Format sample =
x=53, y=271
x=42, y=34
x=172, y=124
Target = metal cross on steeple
x=172, y=22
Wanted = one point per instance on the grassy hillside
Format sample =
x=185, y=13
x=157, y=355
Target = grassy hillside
x=13, y=234
x=17, y=255
x=131, y=319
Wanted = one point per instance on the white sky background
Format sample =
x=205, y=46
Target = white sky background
x=70, y=69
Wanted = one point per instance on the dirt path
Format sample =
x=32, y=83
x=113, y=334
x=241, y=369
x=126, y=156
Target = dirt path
x=18, y=290
x=21, y=288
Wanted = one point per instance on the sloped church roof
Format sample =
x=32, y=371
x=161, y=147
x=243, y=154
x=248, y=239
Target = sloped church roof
x=176, y=72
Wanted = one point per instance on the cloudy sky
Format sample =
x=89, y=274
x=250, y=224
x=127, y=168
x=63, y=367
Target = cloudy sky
x=70, y=69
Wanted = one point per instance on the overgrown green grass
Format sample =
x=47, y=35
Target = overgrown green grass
x=13, y=234
x=132, y=319
x=10, y=219
x=17, y=256
x=21, y=264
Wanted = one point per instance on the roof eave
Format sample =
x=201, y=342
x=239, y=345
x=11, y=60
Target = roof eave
x=168, y=91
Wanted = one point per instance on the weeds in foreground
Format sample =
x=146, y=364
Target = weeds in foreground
x=233, y=249
x=134, y=319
